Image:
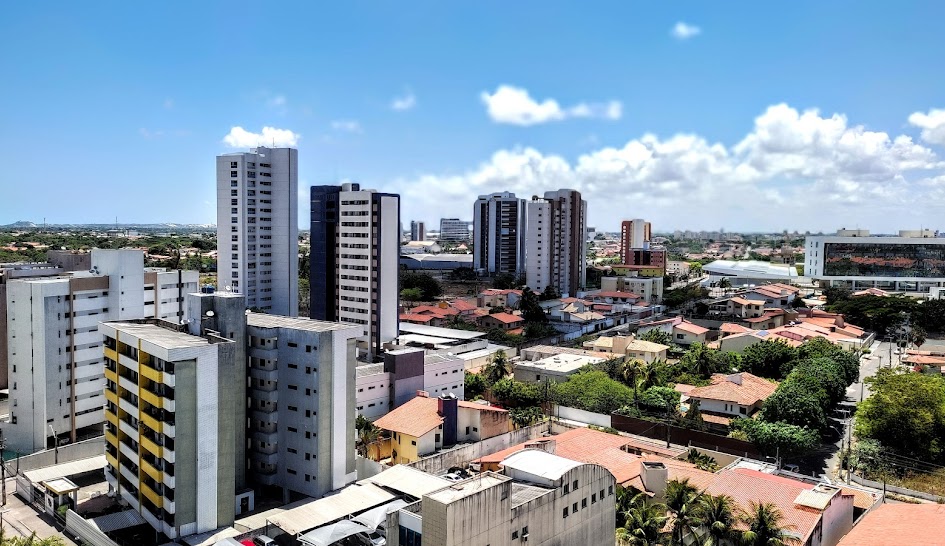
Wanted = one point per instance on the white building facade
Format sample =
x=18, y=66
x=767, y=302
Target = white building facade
x=901, y=264
x=556, y=242
x=453, y=230
x=258, y=228
x=54, y=349
x=499, y=234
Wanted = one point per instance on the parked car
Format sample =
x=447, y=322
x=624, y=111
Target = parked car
x=792, y=468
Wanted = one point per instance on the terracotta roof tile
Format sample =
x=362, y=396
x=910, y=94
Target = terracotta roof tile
x=506, y=318
x=691, y=328
x=900, y=525
x=420, y=415
x=753, y=389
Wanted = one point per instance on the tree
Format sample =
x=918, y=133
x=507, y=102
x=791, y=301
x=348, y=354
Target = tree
x=631, y=372
x=593, y=391
x=693, y=417
x=516, y=394
x=504, y=281
x=765, y=527
x=769, y=358
x=657, y=335
x=684, y=500
x=837, y=294
x=474, y=386
x=643, y=522
x=530, y=308
x=776, y=438
x=367, y=434
x=718, y=519
x=429, y=287
x=498, y=367
x=793, y=403
x=906, y=414
x=463, y=274
x=660, y=399
x=549, y=293
x=724, y=283
x=411, y=294
x=523, y=417
x=701, y=360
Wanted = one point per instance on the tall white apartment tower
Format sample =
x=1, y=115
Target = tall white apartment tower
x=258, y=228
x=54, y=348
x=499, y=233
x=355, y=261
x=555, y=242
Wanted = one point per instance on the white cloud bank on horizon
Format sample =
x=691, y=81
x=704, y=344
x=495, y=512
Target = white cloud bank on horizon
x=684, y=31
x=514, y=106
x=270, y=136
x=794, y=169
x=932, y=125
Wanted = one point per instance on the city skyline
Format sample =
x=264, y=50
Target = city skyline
x=707, y=118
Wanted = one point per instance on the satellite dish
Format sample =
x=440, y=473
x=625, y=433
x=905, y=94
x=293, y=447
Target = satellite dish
x=228, y=288
x=210, y=313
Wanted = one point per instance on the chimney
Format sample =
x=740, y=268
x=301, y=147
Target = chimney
x=448, y=408
x=654, y=475
x=734, y=378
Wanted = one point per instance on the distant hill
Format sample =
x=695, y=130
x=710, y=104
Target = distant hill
x=21, y=224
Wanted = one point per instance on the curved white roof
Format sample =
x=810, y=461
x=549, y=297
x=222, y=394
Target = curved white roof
x=751, y=269
x=539, y=463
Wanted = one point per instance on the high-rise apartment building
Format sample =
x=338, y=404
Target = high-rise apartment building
x=355, y=261
x=258, y=228
x=170, y=431
x=633, y=234
x=499, y=233
x=453, y=230
x=418, y=231
x=555, y=242
x=53, y=347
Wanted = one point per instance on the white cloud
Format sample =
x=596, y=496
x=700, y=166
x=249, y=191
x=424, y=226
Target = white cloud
x=168, y=104
x=684, y=31
x=404, y=102
x=346, y=126
x=270, y=136
x=932, y=125
x=513, y=105
x=793, y=169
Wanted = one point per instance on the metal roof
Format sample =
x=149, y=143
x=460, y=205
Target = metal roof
x=522, y=493
x=408, y=480
x=351, y=500
x=331, y=534
x=66, y=469
x=436, y=331
x=377, y=517
x=540, y=463
x=118, y=520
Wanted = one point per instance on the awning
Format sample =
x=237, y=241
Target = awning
x=377, y=517
x=330, y=534
x=65, y=470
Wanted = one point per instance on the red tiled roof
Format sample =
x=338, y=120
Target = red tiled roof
x=461, y=305
x=753, y=389
x=900, y=525
x=420, y=415
x=433, y=309
x=691, y=328
x=619, y=295
x=732, y=328
x=411, y=317
x=506, y=318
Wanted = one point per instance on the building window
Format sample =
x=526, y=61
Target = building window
x=567, y=488
x=564, y=513
x=593, y=498
x=514, y=535
x=574, y=508
x=584, y=502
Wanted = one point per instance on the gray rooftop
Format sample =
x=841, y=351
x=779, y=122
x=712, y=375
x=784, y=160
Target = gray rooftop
x=522, y=493
x=162, y=337
x=263, y=320
x=468, y=487
x=369, y=369
x=436, y=331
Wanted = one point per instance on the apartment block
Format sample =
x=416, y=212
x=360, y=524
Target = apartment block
x=499, y=233
x=169, y=439
x=355, y=261
x=418, y=231
x=258, y=228
x=538, y=498
x=634, y=233
x=384, y=387
x=555, y=241
x=453, y=230
x=53, y=346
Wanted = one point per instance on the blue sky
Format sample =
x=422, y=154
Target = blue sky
x=118, y=109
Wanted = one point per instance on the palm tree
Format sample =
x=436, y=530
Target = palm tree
x=718, y=519
x=632, y=369
x=644, y=522
x=367, y=434
x=763, y=521
x=683, y=500
x=700, y=360
x=498, y=368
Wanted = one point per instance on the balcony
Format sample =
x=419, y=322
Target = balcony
x=267, y=437
x=128, y=362
x=156, y=499
x=151, y=422
x=131, y=497
x=151, y=374
x=152, y=447
x=112, y=462
x=265, y=458
x=264, y=395
x=167, y=454
x=151, y=398
x=111, y=417
x=151, y=470
x=111, y=396
x=127, y=384
x=126, y=428
x=127, y=451
x=264, y=374
x=111, y=375
x=111, y=438
x=265, y=416
x=169, y=481
x=110, y=353
x=129, y=408
x=128, y=475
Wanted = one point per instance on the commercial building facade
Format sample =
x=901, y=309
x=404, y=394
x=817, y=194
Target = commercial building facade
x=555, y=242
x=418, y=231
x=354, y=261
x=907, y=264
x=53, y=347
x=258, y=228
x=454, y=230
x=499, y=234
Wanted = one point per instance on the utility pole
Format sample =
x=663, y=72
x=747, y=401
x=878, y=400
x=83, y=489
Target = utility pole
x=3, y=471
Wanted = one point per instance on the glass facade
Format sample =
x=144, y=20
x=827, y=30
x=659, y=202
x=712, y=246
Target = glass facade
x=871, y=259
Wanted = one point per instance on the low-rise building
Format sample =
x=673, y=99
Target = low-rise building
x=898, y=525
x=538, y=498
x=677, y=268
x=650, y=289
x=646, y=351
x=382, y=387
x=502, y=321
x=423, y=425
x=735, y=395
x=556, y=368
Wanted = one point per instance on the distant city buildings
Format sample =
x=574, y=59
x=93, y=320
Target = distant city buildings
x=258, y=228
x=53, y=346
x=418, y=231
x=355, y=249
x=499, y=234
x=634, y=234
x=555, y=242
x=453, y=230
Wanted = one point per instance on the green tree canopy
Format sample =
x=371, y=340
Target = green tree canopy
x=769, y=358
x=656, y=335
x=430, y=288
x=771, y=438
x=593, y=391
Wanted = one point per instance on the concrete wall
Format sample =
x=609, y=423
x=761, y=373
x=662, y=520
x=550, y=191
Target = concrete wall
x=463, y=454
x=77, y=526
x=85, y=449
x=581, y=416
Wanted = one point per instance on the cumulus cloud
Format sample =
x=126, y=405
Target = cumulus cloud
x=932, y=125
x=793, y=169
x=270, y=136
x=404, y=102
x=684, y=31
x=514, y=105
x=346, y=126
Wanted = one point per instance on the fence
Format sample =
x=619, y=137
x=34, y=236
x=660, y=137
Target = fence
x=684, y=436
x=461, y=455
x=77, y=526
x=896, y=489
x=67, y=453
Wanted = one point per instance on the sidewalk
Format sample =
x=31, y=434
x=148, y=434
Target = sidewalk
x=22, y=519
